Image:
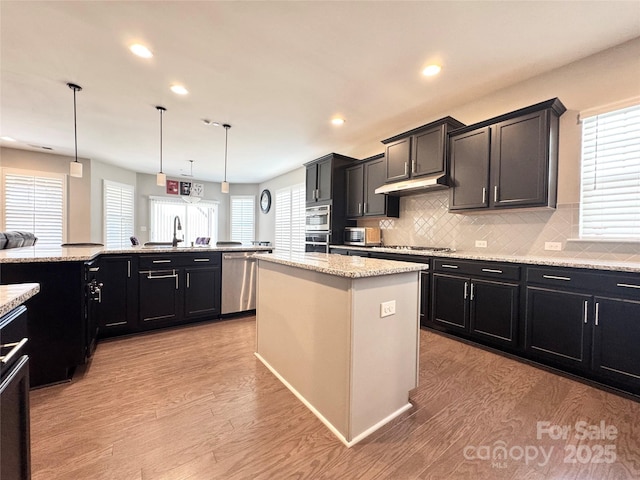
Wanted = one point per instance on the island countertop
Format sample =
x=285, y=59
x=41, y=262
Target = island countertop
x=14, y=295
x=341, y=265
x=82, y=254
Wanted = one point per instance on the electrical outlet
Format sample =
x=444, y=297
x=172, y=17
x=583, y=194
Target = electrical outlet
x=557, y=246
x=143, y=228
x=388, y=308
x=481, y=243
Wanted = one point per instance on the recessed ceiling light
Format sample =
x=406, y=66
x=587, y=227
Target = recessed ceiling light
x=141, y=50
x=210, y=122
x=431, y=70
x=8, y=139
x=179, y=89
x=338, y=121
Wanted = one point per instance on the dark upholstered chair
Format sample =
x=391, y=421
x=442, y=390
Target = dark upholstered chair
x=17, y=239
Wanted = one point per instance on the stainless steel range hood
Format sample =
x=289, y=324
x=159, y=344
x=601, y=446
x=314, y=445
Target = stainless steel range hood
x=415, y=185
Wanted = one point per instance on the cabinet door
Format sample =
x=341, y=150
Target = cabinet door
x=15, y=461
x=449, y=302
x=158, y=300
x=427, y=156
x=470, y=169
x=557, y=327
x=374, y=177
x=117, y=309
x=355, y=190
x=202, y=292
x=311, y=183
x=324, y=180
x=616, y=337
x=520, y=161
x=494, y=311
x=398, y=156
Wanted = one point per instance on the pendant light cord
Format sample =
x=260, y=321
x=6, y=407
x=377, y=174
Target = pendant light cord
x=75, y=88
x=226, y=145
x=161, y=109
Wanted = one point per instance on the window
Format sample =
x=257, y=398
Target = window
x=35, y=202
x=289, y=206
x=118, y=213
x=243, y=210
x=197, y=219
x=610, y=183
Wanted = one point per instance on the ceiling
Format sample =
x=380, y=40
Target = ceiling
x=276, y=71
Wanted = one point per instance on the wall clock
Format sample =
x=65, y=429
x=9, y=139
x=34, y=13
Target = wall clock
x=265, y=201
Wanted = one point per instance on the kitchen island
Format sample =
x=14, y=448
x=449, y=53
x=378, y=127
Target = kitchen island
x=342, y=334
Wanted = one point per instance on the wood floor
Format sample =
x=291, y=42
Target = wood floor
x=194, y=403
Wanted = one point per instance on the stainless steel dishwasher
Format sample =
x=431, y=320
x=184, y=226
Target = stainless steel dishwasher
x=239, y=273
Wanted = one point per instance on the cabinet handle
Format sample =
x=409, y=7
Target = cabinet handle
x=200, y=259
x=446, y=265
x=359, y=208
x=597, y=312
x=586, y=306
x=414, y=166
x=466, y=285
x=94, y=269
x=555, y=277
x=128, y=268
x=491, y=270
x=188, y=279
x=471, y=297
x=162, y=261
x=16, y=348
x=154, y=277
x=364, y=208
x=495, y=193
x=484, y=195
x=627, y=285
x=405, y=169
x=317, y=193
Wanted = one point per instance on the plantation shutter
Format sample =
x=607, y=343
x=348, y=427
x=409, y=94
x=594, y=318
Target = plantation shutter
x=243, y=219
x=118, y=213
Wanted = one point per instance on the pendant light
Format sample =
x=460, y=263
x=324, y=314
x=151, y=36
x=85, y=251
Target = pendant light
x=161, y=178
x=75, y=167
x=224, y=188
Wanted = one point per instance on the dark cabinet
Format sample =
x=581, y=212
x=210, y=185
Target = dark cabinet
x=616, y=336
x=361, y=182
x=202, y=291
x=557, y=326
x=424, y=298
x=15, y=461
x=318, y=181
x=179, y=288
x=159, y=297
x=117, y=312
x=486, y=309
x=421, y=151
x=508, y=161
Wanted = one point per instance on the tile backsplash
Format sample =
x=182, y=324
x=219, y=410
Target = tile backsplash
x=425, y=221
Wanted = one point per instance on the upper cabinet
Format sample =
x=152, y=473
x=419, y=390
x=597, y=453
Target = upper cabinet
x=418, y=152
x=325, y=181
x=361, y=182
x=509, y=161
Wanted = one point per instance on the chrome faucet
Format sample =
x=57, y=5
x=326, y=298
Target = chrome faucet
x=176, y=226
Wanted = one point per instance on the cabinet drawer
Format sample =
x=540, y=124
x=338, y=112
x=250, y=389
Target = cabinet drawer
x=203, y=259
x=159, y=261
x=180, y=260
x=480, y=269
x=563, y=278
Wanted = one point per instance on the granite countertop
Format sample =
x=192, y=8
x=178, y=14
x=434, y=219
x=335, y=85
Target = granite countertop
x=342, y=265
x=570, y=262
x=14, y=295
x=80, y=254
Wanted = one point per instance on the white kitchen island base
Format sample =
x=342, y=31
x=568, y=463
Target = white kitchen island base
x=323, y=336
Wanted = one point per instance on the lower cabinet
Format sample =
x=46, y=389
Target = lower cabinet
x=482, y=308
x=116, y=311
x=15, y=461
x=557, y=326
x=202, y=291
x=159, y=297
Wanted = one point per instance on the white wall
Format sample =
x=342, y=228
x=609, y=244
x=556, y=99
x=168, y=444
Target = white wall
x=267, y=222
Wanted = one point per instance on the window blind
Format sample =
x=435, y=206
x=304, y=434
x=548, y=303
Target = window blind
x=197, y=219
x=35, y=202
x=289, y=207
x=243, y=218
x=610, y=180
x=118, y=213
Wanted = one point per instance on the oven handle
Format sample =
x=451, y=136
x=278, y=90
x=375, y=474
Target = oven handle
x=17, y=346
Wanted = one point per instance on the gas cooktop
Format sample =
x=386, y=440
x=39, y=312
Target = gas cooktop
x=411, y=247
